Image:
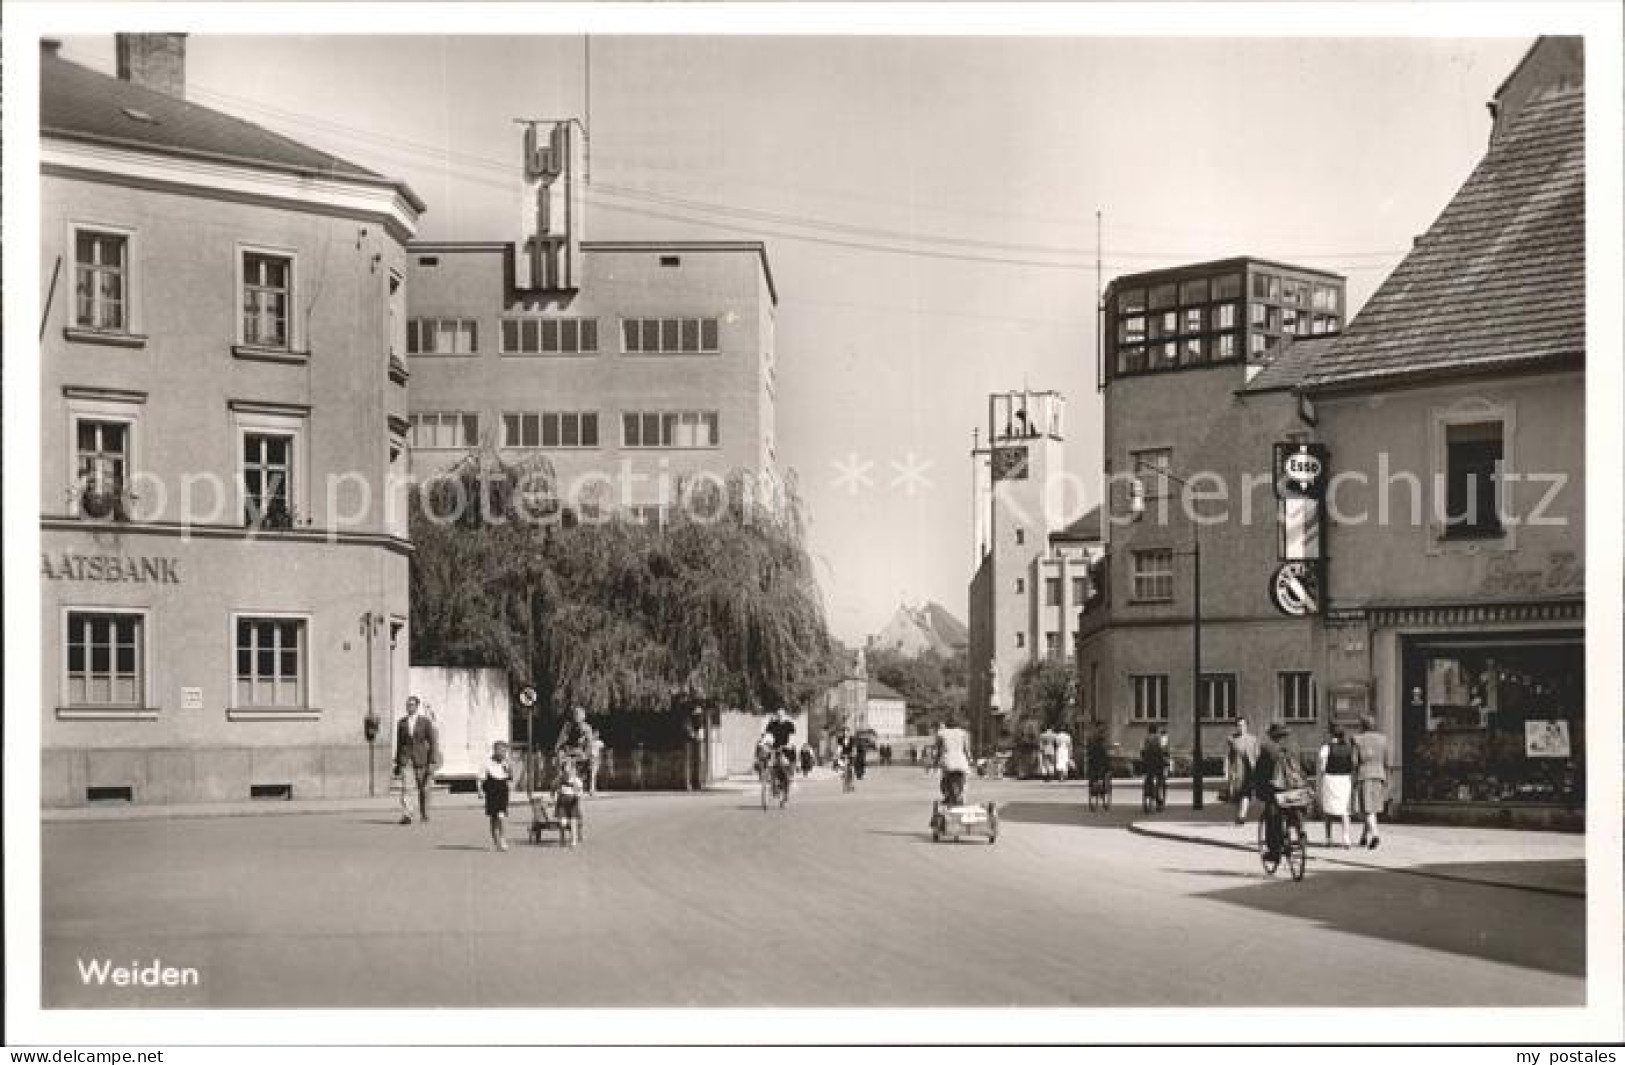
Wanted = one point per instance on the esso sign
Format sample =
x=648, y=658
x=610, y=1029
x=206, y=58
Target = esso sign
x=1303, y=468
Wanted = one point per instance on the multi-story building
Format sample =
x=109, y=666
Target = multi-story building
x=628, y=365
x=1196, y=374
x=1453, y=409
x=1031, y=567
x=224, y=589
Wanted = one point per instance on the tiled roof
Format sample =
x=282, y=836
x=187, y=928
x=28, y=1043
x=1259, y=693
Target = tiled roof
x=78, y=103
x=1289, y=363
x=1085, y=528
x=1499, y=278
x=878, y=690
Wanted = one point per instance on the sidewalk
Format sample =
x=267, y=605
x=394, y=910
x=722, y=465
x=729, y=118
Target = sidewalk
x=1551, y=863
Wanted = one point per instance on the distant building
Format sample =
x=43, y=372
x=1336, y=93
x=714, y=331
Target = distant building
x=1199, y=362
x=1031, y=575
x=885, y=712
x=914, y=631
x=628, y=365
x=223, y=573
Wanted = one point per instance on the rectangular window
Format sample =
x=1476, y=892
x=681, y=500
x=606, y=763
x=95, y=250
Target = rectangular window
x=1258, y=315
x=1227, y=287
x=1167, y=355
x=1473, y=455
x=1131, y=359
x=1267, y=286
x=1021, y=639
x=267, y=296
x=1195, y=320
x=674, y=429
x=101, y=281
x=1131, y=329
x=1052, y=591
x=1258, y=343
x=669, y=336
x=1224, y=347
x=1080, y=590
x=1224, y=316
x=270, y=662
x=1164, y=296
x=1131, y=301
x=1154, y=575
x=1217, y=698
x=268, y=480
x=1325, y=298
x=521, y=430
x=1052, y=644
x=102, y=455
x=443, y=336
x=1191, y=292
x=1295, y=696
x=1288, y=319
x=106, y=660
x=1150, y=696
x=445, y=429
x=549, y=336
x=1021, y=585
x=1295, y=292
x=1021, y=537
x=1151, y=467
x=1193, y=351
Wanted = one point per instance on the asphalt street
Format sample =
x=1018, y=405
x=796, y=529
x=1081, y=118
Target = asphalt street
x=707, y=900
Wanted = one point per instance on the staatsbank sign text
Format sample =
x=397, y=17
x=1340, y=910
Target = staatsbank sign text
x=143, y=570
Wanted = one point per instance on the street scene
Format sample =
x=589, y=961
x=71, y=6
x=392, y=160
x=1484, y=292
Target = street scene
x=836, y=900
x=677, y=520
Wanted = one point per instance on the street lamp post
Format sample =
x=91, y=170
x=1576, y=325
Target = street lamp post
x=1137, y=505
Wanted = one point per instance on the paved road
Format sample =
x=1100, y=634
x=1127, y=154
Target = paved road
x=706, y=900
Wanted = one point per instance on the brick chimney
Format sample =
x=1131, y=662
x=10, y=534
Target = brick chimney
x=154, y=60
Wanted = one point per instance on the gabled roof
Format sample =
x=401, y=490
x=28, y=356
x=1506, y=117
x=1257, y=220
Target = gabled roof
x=1086, y=528
x=878, y=690
x=1498, y=280
x=80, y=104
x=1288, y=363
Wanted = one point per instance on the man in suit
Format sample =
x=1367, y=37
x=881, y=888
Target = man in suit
x=417, y=746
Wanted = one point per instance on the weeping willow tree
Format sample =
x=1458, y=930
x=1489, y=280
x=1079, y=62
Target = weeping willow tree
x=720, y=604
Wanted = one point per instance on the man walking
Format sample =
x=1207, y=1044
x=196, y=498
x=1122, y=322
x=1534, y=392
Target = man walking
x=1370, y=778
x=1241, y=753
x=417, y=747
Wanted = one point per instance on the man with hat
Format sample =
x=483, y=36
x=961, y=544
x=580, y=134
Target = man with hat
x=1278, y=768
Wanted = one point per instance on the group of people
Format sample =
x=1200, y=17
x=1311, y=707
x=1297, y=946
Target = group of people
x=1351, y=775
x=1055, y=754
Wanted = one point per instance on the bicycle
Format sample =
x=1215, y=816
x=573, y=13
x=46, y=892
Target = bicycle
x=848, y=774
x=1154, y=793
x=1287, y=809
x=775, y=775
x=1100, y=791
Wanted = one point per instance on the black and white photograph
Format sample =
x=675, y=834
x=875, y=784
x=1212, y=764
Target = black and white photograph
x=923, y=523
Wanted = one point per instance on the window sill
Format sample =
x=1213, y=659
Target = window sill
x=251, y=713
x=102, y=336
x=550, y=354
x=670, y=354
x=1135, y=601
x=442, y=355
x=255, y=353
x=107, y=713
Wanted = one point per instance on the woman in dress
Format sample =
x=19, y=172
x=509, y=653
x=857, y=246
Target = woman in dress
x=1336, y=780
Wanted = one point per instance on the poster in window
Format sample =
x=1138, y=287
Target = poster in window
x=1546, y=739
x=1010, y=464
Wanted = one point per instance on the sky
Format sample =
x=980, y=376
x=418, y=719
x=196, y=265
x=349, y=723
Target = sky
x=928, y=203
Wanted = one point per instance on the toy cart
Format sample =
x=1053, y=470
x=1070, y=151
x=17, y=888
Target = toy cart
x=952, y=822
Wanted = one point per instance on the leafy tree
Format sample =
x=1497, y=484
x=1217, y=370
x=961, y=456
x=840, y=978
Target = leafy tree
x=1044, y=691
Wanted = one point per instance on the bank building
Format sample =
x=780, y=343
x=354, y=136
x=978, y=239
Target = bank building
x=222, y=399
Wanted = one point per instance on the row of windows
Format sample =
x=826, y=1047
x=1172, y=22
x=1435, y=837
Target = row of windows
x=1172, y=294
x=107, y=662
x=568, y=429
x=1294, y=292
x=1295, y=696
x=1052, y=589
x=1053, y=646
x=564, y=336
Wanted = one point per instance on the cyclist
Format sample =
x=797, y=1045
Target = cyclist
x=1096, y=760
x=846, y=754
x=1154, y=760
x=1278, y=769
x=953, y=757
x=778, y=741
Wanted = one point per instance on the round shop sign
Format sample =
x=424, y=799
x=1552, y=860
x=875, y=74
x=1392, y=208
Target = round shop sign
x=527, y=696
x=1295, y=589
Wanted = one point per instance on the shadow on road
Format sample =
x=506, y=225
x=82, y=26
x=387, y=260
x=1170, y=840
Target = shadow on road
x=1075, y=814
x=1551, y=937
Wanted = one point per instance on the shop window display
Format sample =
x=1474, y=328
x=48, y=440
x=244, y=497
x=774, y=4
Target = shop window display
x=1495, y=723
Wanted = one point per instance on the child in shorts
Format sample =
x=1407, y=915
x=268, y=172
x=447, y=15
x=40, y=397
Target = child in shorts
x=495, y=780
x=568, y=805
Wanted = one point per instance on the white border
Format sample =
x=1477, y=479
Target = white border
x=1599, y=1020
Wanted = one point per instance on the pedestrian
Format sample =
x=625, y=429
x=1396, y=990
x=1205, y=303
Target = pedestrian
x=417, y=756
x=495, y=780
x=595, y=758
x=1370, y=778
x=860, y=758
x=1241, y=754
x=914, y=755
x=806, y=760
x=1063, y=754
x=1334, y=772
x=1046, y=754
x=567, y=802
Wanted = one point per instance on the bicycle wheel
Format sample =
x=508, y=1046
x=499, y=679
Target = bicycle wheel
x=1162, y=794
x=767, y=790
x=1146, y=798
x=1270, y=864
x=1106, y=794
x=1297, y=847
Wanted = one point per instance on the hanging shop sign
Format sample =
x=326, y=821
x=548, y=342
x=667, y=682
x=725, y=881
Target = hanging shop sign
x=1301, y=470
x=1295, y=589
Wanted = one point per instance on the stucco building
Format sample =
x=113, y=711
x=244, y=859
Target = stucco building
x=1196, y=379
x=224, y=587
x=629, y=365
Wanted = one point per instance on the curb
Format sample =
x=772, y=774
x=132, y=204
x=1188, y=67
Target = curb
x=1141, y=829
